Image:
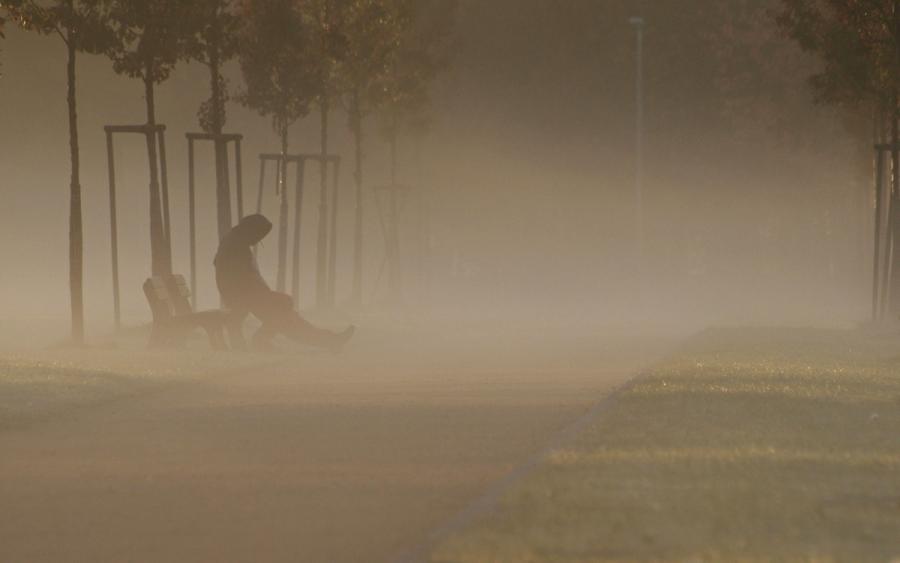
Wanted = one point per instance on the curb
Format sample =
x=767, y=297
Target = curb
x=487, y=501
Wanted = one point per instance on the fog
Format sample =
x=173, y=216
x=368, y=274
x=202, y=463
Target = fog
x=522, y=208
x=547, y=369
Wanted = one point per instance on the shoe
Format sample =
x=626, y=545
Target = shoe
x=336, y=344
x=263, y=344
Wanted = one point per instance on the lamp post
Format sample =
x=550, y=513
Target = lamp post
x=638, y=23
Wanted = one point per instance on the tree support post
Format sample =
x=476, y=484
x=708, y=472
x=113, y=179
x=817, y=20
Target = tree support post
x=192, y=220
x=333, y=243
x=224, y=222
x=299, y=161
x=887, y=291
x=113, y=230
x=390, y=229
x=876, y=263
x=164, y=185
x=298, y=215
x=154, y=135
x=239, y=178
x=281, y=167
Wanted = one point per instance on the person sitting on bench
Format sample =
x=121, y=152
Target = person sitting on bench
x=244, y=291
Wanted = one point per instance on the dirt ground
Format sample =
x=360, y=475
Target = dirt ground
x=298, y=457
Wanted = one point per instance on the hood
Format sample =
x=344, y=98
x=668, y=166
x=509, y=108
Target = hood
x=251, y=230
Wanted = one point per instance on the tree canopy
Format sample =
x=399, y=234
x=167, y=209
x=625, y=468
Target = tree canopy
x=216, y=41
x=274, y=41
x=423, y=49
x=80, y=21
x=858, y=42
x=327, y=46
x=87, y=19
x=372, y=34
x=151, y=37
x=3, y=5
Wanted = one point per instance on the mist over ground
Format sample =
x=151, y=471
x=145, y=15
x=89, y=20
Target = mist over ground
x=755, y=197
x=568, y=375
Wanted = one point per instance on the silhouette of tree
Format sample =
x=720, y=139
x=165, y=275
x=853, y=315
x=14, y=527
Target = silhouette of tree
x=81, y=24
x=327, y=46
x=422, y=52
x=761, y=78
x=858, y=42
x=371, y=31
x=6, y=5
x=151, y=37
x=279, y=81
x=216, y=43
x=2, y=36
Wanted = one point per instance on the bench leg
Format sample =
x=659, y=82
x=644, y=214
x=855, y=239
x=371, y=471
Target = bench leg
x=216, y=336
x=158, y=336
x=168, y=336
x=234, y=327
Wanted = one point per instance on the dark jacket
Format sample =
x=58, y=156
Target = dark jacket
x=237, y=274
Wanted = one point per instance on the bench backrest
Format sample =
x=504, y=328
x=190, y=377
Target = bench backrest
x=168, y=296
x=179, y=294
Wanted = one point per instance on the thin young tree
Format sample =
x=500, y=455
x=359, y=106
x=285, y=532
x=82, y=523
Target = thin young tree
x=760, y=90
x=4, y=5
x=326, y=48
x=81, y=26
x=423, y=51
x=216, y=43
x=151, y=36
x=372, y=33
x=859, y=44
x=278, y=84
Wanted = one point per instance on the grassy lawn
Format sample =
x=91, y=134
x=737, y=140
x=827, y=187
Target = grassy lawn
x=31, y=391
x=748, y=444
x=40, y=384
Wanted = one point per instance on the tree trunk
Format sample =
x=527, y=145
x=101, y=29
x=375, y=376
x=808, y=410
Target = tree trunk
x=223, y=188
x=894, y=221
x=395, y=284
x=356, y=125
x=160, y=261
x=879, y=211
x=282, y=213
x=76, y=238
x=423, y=223
x=886, y=244
x=298, y=223
x=322, y=242
x=333, y=235
x=860, y=202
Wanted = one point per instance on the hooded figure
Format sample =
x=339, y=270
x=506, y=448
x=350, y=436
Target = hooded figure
x=237, y=275
x=244, y=291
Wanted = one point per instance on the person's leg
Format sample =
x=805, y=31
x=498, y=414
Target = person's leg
x=262, y=338
x=234, y=328
x=267, y=308
x=303, y=332
x=276, y=311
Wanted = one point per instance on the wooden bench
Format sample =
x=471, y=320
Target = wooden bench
x=173, y=316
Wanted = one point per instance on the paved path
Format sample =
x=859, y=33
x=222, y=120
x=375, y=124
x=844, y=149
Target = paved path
x=351, y=458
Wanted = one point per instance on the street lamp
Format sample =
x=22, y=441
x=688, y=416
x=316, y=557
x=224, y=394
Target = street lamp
x=638, y=23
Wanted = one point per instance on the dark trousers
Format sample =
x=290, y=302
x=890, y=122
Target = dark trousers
x=276, y=312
